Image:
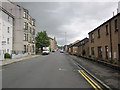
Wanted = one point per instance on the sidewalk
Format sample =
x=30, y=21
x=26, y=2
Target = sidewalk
x=106, y=74
x=9, y=61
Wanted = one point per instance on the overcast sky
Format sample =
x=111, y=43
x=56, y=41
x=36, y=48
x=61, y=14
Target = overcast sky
x=77, y=19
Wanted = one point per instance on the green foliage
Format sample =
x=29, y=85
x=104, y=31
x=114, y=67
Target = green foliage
x=38, y=52
x=111, y=61
x=60, y=47
x=7, y=55
x=42, y=40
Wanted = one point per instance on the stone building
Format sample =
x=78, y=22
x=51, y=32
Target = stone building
x=53, y=44
x=24, y=28
x=104, y=41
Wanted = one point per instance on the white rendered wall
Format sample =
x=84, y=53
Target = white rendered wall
x=1, y=54
x=8, y=46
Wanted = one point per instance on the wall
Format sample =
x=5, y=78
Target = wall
x=1, y=33
x=18, y=25
x=19, y=55
x=6, y=32
x=75, y=50
x=105, y=39
x=7, y=46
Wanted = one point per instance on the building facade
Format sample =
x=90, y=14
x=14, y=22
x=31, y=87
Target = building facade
x=80, y=47
x=104, y=41
x=24, y=29
x=73, y=48
x=29, y=33
x=6, y=32
x=83, y=47
x=53, y=44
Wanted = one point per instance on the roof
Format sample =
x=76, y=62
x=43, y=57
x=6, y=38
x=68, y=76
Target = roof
x=80, y=42
x=5, y=11
x=105, y=22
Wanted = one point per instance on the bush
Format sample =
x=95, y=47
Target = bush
x=111, y=61
x=38, y=52
x=7, y=55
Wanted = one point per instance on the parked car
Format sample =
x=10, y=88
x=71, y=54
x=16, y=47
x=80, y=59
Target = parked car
x=61, y=51
x=46, y=52
x=53, y=50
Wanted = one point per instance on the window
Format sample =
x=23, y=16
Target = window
x=33, y=48
x=8, y=40
x=98, y=33
x=92, y=51
x=92, y=37
x=24, y=37
x=27, y=26
x=27, y=37
x=8, y=18
x=100, y=52
x=8, y=29
x=106, y=29
x=24, y=14
x=33, y=22
x=24, y=25
x=106, y=52
x=30, y=30
x=7, y=50
x=33, y=32
x=25, y=48
x=116, y=26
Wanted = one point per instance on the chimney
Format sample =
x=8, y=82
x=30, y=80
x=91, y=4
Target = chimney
x=113, y=14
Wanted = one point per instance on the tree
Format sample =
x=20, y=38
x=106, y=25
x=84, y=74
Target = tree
x=42, y=40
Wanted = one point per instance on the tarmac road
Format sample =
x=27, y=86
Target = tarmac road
x=56, y=70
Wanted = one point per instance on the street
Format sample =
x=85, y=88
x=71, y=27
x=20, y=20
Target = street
x=49, y=71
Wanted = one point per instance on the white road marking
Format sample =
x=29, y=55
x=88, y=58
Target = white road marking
x=62, y=69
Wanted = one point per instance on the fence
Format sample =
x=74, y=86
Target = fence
x=19, y=55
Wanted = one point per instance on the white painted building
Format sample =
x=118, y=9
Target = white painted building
x=6, y=32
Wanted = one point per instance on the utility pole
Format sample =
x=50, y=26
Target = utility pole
x=65, y=38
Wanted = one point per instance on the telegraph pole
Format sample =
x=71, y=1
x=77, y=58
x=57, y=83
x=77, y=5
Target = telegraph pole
x=65, y=38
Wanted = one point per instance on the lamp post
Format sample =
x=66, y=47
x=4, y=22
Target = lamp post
x=65, y=38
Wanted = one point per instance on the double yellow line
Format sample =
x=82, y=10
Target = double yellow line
x=90, y=81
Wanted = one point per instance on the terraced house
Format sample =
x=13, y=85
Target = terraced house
x=29, y=33
x=81, y=47
x=104, y=41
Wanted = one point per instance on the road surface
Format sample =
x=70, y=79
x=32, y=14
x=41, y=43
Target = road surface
x=56, y=70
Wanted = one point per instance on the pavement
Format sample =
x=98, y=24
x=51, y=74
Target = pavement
x=9, y=61
x=56, y=70
x=106, y=74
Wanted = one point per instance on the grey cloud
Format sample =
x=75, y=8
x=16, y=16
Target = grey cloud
x=76, y=18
